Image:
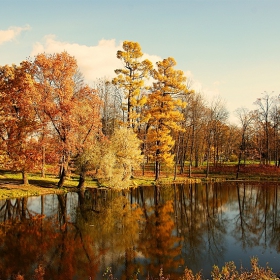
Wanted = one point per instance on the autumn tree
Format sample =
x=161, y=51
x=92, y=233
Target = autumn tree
x=163, y=113
x=265, y=104
x=131, y=77
x=275, y=122
x=112, y=109
x=18, y=122
x=191, y=145
x=88, y=133
x=121, y=156
x=68, y=106
x=216, y=117
x=245, y=118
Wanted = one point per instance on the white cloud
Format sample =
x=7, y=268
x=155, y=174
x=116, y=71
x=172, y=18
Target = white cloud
x=197, y=86
x=192, y=82
x=94, y=61
x=100, y=60
x=11, y=33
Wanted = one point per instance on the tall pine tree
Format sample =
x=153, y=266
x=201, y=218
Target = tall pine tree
x=164, y=112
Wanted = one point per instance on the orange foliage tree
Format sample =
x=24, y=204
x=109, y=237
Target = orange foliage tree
x=18, y=121
x=66, y=104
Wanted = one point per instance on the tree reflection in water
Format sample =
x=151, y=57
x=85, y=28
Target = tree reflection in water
x=80, y=235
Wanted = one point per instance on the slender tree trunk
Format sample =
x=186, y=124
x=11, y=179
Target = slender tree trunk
x=176, y=158
x=185, y=145
x=242, y=150
x=156, y=170
x=43, y=174
x=183, y=156
x=208, y=142
x=238, y=165
x=207, y=167
x=196, y=157
x=191, y=151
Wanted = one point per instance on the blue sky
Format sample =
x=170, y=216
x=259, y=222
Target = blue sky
x=228, y=48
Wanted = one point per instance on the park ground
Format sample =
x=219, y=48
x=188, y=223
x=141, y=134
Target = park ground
x=11, y=183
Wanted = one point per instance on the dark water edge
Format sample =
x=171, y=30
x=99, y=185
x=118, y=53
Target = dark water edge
x=80, y=235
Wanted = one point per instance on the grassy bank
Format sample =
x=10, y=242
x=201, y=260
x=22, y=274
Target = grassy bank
x=11, y=182
x=11, y=185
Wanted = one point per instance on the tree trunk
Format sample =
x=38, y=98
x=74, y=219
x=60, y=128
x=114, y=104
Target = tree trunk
x=191, y=152
x=25, y=177
x=176, y=158
x=156, y=170
x=82, y=180
x=63, y=171
x=238, y=165
x=43, y=162
x=62, y=178
x=207, y=162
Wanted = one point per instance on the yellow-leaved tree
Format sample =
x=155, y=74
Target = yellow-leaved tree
x=131, y=77
x=120, y=157
x=163, y=113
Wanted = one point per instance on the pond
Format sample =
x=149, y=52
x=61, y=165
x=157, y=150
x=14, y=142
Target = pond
x=82, y=235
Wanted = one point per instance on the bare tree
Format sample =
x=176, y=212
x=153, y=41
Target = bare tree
x=265, y=104
x=216, y=116
x=112, y=98
x=245, y=118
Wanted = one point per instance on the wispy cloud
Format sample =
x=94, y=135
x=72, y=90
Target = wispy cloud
x=11, y=33
x=197, y=86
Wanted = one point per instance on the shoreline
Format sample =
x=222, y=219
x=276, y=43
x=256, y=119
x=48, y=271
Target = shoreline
x=13, y=188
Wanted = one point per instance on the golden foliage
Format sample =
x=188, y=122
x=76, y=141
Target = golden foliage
x=131, y=77
x=121, y=156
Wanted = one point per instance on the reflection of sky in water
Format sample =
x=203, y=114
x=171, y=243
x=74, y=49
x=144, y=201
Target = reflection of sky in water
x=51, y=204
x=229, y=246
x=232, y=249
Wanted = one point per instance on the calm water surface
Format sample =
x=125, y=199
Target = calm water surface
x=80, y=235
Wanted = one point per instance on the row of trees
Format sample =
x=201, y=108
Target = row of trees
x=49, y=115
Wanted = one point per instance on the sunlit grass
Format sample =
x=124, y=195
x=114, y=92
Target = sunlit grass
x=50, y=180
x=12, y=187
x=39, y=185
